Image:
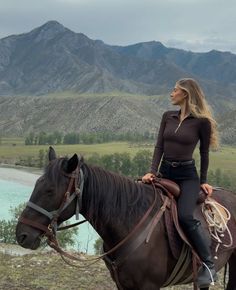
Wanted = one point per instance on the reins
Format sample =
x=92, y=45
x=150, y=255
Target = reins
x=54, y=244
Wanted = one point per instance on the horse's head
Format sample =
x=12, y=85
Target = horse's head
x=53, y=200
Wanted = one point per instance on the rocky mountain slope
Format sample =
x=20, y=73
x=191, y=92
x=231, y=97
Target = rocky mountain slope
x=84, y=113
x=55, y=79
x=52, y=58
x=81, y=114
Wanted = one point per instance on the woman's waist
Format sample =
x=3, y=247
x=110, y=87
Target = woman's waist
x=178, y=162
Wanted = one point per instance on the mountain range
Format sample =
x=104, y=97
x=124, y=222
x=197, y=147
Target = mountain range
x=53, y=60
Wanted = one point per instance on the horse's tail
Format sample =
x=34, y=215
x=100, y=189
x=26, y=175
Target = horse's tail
x=225, y=273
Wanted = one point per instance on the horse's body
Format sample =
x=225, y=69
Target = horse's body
x=114, y=204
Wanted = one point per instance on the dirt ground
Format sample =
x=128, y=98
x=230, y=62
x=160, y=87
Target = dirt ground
x=47, y=271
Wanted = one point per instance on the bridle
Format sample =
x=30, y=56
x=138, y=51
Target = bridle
x=76, y=182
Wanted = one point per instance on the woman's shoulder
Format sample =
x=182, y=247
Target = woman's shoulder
x=170, y=113
x=204, y=125
x=204, y=121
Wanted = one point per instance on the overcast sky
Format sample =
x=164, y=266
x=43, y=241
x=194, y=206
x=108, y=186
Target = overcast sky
x=197, y=25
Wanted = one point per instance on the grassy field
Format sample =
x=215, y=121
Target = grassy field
x=13, y=148
x=47, y=271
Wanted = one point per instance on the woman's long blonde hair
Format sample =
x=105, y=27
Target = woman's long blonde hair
x=199, y=107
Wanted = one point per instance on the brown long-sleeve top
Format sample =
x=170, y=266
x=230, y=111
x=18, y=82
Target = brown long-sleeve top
x=177, y=140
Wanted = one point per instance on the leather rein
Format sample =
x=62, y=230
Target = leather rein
x=77, y=181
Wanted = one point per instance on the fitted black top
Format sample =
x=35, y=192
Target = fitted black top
x=177, y=140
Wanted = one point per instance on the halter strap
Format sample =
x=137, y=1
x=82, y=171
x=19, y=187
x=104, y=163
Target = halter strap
x=50, y=214
x=77, y=178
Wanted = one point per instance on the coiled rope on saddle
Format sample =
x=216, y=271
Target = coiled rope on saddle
x=217, y=217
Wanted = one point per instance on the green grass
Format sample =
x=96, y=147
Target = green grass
x=11, y=141
x=13, y=148
x=225, y=159
x=47, y=271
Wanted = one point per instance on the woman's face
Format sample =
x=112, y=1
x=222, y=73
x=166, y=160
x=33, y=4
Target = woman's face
x=178, y=96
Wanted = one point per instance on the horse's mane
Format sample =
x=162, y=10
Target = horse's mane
x=110, y=194
x=113, y=195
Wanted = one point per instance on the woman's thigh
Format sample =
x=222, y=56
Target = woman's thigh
x=187, y=202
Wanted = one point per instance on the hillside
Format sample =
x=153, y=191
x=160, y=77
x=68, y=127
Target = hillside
x=80, y=114
x=83, y=113
x=55, y=79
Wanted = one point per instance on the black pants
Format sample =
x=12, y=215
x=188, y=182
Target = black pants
x=187, y=178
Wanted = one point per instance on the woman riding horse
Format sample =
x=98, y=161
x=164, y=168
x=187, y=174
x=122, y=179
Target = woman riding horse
x=178, y=135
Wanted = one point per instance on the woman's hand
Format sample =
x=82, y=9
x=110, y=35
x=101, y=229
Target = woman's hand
x=207, y=188
x=148, y=178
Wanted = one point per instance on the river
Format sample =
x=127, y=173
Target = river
x=16, y=187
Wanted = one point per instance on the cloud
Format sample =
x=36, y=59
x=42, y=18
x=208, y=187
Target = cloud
x=203, y=45
x=193, y=24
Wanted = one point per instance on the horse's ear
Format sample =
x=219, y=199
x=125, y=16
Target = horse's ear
x=72, y=163
x=51, y=154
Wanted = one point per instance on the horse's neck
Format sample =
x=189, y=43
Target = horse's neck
x=96, y=191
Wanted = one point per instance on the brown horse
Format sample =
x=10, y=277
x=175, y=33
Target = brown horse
x=113, y=204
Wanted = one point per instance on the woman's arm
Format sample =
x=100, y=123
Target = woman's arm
x=205, y=136
x=159, y=147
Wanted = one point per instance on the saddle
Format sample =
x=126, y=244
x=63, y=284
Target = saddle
x=180, y=246
x=209, y=212
x=172, y=189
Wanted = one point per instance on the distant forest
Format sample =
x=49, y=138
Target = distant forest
x=57, y=138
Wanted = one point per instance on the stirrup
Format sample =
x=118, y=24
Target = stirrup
x=208, y=269
x=212, y=279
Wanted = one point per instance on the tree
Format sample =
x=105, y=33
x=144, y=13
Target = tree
x=67, y=237
x=126, y=164
x=94, y=159
x=58, y=137
x=41, y=158
x=98, y=246
x=221, y=179
x=42, y=138
x=141, y=162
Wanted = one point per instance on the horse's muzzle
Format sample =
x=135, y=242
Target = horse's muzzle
x=26, y=237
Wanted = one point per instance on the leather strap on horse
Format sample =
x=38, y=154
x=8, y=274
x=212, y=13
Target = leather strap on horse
x=71, y=226
x=47, y=230
x=157, y=218
x=182, y=265
x=131, y=245
x=54, y=244
x=142, y=235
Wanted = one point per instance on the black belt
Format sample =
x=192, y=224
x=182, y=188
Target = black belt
x=178, y=163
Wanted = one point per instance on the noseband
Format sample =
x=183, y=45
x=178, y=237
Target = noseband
x=76, y=181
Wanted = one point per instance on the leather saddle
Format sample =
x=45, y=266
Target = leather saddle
x=172, y=189
x=175, y=234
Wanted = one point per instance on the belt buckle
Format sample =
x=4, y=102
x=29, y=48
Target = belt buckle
x=174, y=164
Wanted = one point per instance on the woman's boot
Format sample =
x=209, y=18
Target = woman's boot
x=207, y=273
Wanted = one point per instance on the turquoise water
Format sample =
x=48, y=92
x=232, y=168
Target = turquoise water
x=11, y=195
x=14, y=192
